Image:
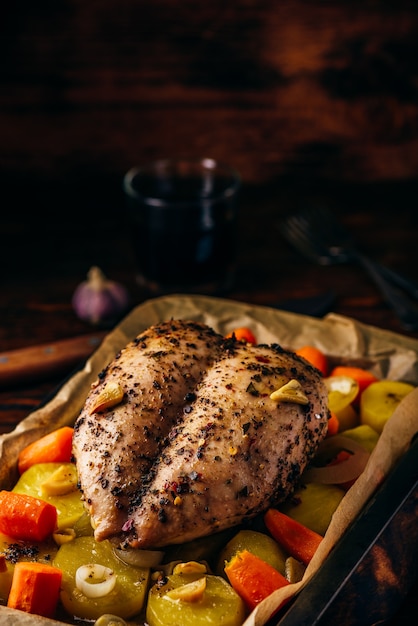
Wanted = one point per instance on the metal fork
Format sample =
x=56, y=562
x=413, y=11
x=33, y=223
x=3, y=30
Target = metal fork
x=318, y=235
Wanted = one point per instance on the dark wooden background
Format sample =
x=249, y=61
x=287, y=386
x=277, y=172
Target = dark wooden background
x=306, y=99
x=309, y=100
x=302, y=89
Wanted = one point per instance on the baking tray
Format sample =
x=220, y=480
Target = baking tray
x=368, y=574
x=369, y=571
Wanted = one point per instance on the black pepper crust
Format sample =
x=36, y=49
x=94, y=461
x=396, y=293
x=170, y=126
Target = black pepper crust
x=197, y=444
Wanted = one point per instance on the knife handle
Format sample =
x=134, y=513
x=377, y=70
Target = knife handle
x=36, y=362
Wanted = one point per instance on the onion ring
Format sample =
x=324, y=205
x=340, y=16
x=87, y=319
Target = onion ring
x=343, y=472
x=95, y=580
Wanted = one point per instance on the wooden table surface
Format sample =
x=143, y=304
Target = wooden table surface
x=310, y=103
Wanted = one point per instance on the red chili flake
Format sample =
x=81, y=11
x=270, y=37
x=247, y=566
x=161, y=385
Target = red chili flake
x=262, y=359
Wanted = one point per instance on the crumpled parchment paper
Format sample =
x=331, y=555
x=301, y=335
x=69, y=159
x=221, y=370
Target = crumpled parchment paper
x=387, y=354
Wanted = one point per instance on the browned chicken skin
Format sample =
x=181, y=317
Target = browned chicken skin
x=197, y=444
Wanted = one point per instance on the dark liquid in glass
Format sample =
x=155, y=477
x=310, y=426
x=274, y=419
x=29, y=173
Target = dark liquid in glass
x=189, y=244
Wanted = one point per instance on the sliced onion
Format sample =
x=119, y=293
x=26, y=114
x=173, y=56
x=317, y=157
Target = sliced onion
x=95, y=580
x=139, y=558
x=343, y=472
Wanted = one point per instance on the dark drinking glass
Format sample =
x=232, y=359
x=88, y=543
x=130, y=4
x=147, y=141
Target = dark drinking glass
x=183, y=216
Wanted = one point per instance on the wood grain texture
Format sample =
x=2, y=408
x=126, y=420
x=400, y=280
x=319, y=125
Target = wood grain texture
x=305, y=89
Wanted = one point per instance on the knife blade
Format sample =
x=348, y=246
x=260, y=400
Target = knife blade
x=34, y=363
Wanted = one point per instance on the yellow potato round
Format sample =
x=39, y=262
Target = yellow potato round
x=258, y=543
x=379, y=400
x=219, y=605
x=313, y=505
x=125, y=600
x=342, y=391
x=69, y=505
x=365, y=435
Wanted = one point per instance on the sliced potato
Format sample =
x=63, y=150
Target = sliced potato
x=69, y=505
x=379, y=400
x=257, y=543
x=185, y=601
x=127, y=597
x=313, y=505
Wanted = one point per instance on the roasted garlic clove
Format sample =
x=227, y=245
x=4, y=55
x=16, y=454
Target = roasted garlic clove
x=190, y=567
x=61, y=482
x=65, y=535
x=190, y=592
x=111, y=395
x=290, y=392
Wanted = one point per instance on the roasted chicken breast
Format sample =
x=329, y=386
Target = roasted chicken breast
x=205, y=433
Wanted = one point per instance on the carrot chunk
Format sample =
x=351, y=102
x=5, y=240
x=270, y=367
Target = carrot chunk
x=252, y=578
x=315, y=357
x=55, y=447
x=35, y=588
x=25, y=517
x=333, y=425
x=298, y=540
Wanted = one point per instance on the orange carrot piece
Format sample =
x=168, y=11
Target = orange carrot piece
x=55, y=447
x=242, y=334
x=35, y=588
x=25, y=517
x=362, y=376
x=252, y=578
x=333, y=425
x=315, y=357
x=298, y=540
